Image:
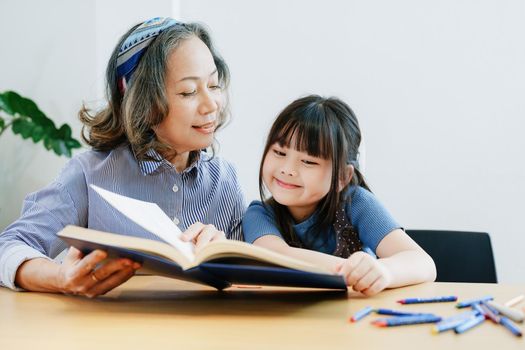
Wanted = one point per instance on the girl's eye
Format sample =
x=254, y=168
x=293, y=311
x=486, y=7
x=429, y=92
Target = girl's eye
x=215, y=87
x=279, y=153
x=187, y=94
x=309, y=162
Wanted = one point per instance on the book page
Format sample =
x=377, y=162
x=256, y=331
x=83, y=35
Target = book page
x=85, y=238
x=236, y=249
x=150, y=217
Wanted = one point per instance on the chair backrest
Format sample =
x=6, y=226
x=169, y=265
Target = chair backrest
x=459, y=256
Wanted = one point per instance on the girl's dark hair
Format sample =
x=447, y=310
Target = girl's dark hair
x=325, y=128
x=130, y=118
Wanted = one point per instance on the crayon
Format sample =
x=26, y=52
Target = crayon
x=399, y=313
x=469, y=324
x=514, y=314
x=505, y=322
x=490, y=313
x=515, y=301
x=478, y=309
x=468, y=303
x=494, y=311
x=428, y=300
x=361, y=314
x=445, y=326
x=453, y=321
x=406, y=320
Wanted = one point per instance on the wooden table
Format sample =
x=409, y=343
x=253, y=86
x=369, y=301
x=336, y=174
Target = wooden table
x=158, y=313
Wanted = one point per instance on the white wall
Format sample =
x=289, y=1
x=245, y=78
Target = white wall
x=47, y=55
x=438, y=87
x=55, y=52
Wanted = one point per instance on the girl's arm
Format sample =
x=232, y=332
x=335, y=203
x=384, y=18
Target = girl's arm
x=278, y=245
x=401, y=262
x=406, y=261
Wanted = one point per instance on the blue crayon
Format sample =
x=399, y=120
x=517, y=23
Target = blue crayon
x=453, y=321
x=447, y=325
x=470, y=323
x=428, y=300
x=406, y=320
x=489, y=313
x=493, y=310
x=505, y=322
x=468, y=303
x=478, y=309
x=361, y=313
x=399, y=313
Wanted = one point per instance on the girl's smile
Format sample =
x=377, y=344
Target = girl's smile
x=286, y=184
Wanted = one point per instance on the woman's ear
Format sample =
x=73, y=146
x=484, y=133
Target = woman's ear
x=345, y=180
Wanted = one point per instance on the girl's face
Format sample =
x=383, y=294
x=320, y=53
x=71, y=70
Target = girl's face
x=296, y=179
x=194, y=98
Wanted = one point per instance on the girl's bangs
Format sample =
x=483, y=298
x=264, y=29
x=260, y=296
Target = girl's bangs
x=308, y=133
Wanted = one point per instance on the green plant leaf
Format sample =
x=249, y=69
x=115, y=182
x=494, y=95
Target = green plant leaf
x=38, y=133
x=24, y=127
x=4, y=103
x=64, y=132
x=47, y=142
x=12, y=102
x=17, y=126
x=72, y=143
x=15, y=104
x=59, y=147
x=30, y=122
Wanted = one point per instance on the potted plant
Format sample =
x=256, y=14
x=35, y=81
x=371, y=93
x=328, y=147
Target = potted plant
x=24, y=118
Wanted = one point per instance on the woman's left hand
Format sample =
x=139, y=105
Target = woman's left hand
x=201, y=234
x=364, y=273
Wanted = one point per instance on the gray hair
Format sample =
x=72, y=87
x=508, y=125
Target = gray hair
x=130, y=119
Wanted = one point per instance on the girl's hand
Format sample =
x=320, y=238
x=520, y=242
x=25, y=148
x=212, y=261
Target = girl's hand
x=364, y=273
x=201, y=234
x=79, y=274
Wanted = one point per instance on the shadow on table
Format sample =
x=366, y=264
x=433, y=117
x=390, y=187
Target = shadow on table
x=238, y=301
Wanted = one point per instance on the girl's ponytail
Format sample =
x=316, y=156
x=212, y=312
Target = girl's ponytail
x=359, y=180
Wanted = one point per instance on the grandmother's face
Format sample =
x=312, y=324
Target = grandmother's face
x=194, y=98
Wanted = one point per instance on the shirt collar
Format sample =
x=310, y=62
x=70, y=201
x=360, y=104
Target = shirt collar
x=158, y=163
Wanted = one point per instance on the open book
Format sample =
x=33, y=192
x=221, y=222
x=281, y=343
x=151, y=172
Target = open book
x=218, y=264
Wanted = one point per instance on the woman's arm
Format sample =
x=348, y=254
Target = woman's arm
x=86, y=275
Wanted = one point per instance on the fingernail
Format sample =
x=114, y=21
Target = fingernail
x=126, y=263
x=136, y=266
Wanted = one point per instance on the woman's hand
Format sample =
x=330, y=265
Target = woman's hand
x=201, y=234
x=88, y=276
x=364, y=273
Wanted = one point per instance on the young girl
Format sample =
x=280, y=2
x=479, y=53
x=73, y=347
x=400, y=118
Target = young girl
x=166, y=87
x=320, y=207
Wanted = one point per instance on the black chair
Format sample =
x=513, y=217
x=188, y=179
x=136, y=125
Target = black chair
x=459, y=256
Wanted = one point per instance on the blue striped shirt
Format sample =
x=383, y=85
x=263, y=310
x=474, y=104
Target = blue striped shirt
x=207, y=191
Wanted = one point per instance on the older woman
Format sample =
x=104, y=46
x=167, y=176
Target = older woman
x=167, y=95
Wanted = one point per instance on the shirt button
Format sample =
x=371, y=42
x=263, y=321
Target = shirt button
x=175, y=188
x=176, y=221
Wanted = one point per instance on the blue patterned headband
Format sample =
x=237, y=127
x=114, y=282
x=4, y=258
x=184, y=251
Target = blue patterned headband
x=135, y=45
